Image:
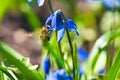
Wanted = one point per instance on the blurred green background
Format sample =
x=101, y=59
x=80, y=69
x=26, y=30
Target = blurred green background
x=18, y=18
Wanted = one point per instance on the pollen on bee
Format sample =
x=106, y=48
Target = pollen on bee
x=41, y=34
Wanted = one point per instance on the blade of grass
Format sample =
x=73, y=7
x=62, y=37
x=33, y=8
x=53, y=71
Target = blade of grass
x=14, y=58
x=4, y=70
x=54, y=53
x=54, y=49
x=99, y=48
x=1, y=73
x=118, y=75
x=115, y=67
x=77, y=70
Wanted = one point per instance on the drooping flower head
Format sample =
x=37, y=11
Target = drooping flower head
x=59, y=75
x=40, y=2
x=56, y=22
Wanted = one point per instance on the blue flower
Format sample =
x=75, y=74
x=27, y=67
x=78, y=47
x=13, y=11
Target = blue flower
x=109, y=4
x=82, y=54
x=56, y=22
x=40, y=2
x=58, y=75
x=102, y=71
x=46, y=65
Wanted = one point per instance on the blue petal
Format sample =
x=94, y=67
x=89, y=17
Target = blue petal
x=29, y=0
x=118, y=1
x=56, y=19
x=49, y=19
x=82, y=54
x=72, y=26
x=52, y=29
x=41, y=2
x=109, y=4
x=102, y=71
x=59, y=75
x=60, y=72
x=46, y=65
x=62, y=76
x=60, y=34
x=81, y=71
x=51, y=77
x=53, y=24
x=66, y=77
x=58, y=25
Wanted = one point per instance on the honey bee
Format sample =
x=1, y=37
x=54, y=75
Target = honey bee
x=43, y=33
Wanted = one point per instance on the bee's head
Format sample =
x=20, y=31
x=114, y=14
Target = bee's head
x=48, y=27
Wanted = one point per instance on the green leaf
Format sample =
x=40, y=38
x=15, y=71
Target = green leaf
x=3, y=7
x=1, y=73
x=54, y=52
x=52, y=47
x=99, y=48
x=14, y=58
x=75, y=57
x=115, y=67
x=118, y=75
x=4, y=70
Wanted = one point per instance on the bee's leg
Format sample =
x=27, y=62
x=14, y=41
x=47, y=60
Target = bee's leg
x=48, y=38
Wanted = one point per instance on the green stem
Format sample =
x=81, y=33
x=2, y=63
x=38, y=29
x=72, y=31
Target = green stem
x=1, y=73
x=4, y=70
x=69, y=70
x=70, y=43
x=59, y=45
x=50, y=6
